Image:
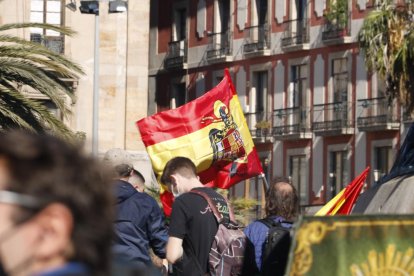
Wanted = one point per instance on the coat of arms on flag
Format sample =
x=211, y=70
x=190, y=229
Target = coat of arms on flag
x=210, y=130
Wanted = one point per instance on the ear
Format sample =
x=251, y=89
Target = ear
x=56, y=225
x=174, y=179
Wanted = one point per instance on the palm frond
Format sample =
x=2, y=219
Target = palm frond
x=61, y=29
x=30, y=65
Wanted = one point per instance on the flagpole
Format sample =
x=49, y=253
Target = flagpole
x=262, y=175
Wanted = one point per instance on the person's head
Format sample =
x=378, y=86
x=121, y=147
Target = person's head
x=127, y=173
x=282, y=199
x=180, y=175
x=55, y=205
x=123, y=171
x=137, y=180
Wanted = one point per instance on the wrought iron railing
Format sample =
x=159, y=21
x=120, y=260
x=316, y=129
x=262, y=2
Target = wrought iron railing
x=177, y=54
x=292, y=120
x=332, y=116
x=337, y=29
x=259, y=123
x=377, y=112
x=296, y=32
x=219, y=45
x=257, y=38
x=53, y=43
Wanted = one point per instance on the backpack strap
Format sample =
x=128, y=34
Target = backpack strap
x=219, y=216
x=269, y=222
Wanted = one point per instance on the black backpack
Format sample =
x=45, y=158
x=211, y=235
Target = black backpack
x=275, y=249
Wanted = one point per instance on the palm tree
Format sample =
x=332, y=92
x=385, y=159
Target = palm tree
x=387, y=38
x=31, y=66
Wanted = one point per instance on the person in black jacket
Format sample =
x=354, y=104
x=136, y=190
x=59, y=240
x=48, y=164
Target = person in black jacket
x=139, y=225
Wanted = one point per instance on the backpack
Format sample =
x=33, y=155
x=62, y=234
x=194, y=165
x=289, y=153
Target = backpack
x=227, y=251
x=275, y=249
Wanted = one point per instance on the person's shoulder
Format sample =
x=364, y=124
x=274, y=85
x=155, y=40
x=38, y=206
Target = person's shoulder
x=255, y=227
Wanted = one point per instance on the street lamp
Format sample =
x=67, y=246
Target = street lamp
x=92, y=7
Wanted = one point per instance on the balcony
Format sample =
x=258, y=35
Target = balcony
x=260, y=126
x=53, y=43
x=407, y=118
x=291, y=124
x=177, y=55
x=296, y=35
x=333, y=119
x=377, y=114
x=257, y=41
x=219, y=48
x=337, y=33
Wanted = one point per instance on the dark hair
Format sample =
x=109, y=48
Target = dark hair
x=182, y=165
x=282, y=199
x=53, y=170
x=139, y=175
x=123, y=170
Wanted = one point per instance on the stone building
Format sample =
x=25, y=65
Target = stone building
x=123, y=67
x=315, y=113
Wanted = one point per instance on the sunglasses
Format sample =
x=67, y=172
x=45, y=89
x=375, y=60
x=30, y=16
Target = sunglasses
x=26, y=201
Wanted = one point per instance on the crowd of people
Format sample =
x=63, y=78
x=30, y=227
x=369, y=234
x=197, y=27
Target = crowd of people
x=63, y=212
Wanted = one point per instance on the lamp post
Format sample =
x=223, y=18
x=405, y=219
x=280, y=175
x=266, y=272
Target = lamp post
x=92, y=7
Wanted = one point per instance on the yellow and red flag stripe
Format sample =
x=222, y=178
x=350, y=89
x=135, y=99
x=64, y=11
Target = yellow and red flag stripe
x=343, y=202
x=210, y=130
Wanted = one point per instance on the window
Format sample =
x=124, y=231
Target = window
x=340, y=88
x=47, y=11
x=299, y=85
x=383, y=161
x=53, y=109
x=223, y=19
x=259, y=29
x=220, y=37
x=298, y=17
x=338, y=172
x=298, y=174
x=261, y=12
x=180, y=24
x=178, y=97
x=260, y=86
x=340, y=79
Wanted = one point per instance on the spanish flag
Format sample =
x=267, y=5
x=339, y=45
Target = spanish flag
x=343, y=202
x=210, y=130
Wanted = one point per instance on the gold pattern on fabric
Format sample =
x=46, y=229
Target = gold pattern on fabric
x=308, y=234
x=388, y=263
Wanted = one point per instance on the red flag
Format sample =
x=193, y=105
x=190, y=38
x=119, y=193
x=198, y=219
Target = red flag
x=343, y=202
x=211, y=131
x=352, y=192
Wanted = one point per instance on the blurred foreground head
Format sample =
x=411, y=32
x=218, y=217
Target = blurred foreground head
x=55, y=206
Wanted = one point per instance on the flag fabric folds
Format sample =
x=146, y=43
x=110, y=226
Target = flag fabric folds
x=210, y=130
x=343, y=202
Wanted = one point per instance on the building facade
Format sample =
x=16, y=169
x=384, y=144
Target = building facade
x=123, y=67
x=315, y=113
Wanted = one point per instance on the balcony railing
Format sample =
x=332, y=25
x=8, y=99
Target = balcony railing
x=377, y=114
x=177, y=54
x=260, y=124
x=333, y=118
x=219, y=45
x=291, y=123
x=336, y=30
x=257, y=38
x=296, y=32
x=53, y=43
x=407, y=117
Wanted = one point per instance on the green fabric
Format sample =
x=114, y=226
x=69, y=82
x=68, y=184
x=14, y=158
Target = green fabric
x=353, y=245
